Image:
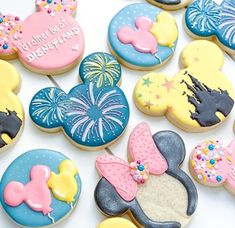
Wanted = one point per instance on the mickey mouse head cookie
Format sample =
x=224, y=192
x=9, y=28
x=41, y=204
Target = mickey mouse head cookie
x=170, y=4
x=206, y=18
x=94, y=113
x=11, y=110
x=48, y=42
x=212, y=164
x=151, y=188
x=142, y=36
x=40, y=188
x=197, y=98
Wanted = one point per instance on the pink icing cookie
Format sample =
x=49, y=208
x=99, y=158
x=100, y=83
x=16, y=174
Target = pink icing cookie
x=53, y=6
x=53, y=46
x=213, y=164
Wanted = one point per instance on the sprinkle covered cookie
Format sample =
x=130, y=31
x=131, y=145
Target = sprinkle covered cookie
x=94, y=113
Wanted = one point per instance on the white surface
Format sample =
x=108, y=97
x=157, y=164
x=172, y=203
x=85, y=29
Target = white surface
x=216, y=207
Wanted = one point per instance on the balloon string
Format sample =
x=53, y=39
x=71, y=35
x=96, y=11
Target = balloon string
x=71, y=205
x=159, y=59
x=50, y=217
x=172, y=49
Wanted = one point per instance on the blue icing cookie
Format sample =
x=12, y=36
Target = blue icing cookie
x=205, y=18
x=94, y=113
x=142, y=36
x=29, y=184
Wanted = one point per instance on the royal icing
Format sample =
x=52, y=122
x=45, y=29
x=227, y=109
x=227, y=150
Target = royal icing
x=212, y=164
x=33, y=195
x=170, y=4
x=94, y=113
x=52, y=47
x=120, y=190
x=193, y=98
x=54, y=6
x=11, y=110
x=205, y=18
x=116, y=222
x=142, y=35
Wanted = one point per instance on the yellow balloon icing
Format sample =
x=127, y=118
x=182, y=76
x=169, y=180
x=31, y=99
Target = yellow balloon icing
x=116, y=223
x=165, y=29
x=158, y=94
x=64, y=185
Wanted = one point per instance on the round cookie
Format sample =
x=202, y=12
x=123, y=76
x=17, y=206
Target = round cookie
x=51, y=47
x=170, y=4
x=40, y=188
x=196, y=99
x=152, y=188
x=142, y=36
x=11, y=109
x=94, y=113
x=115, y=223
x=207, y=19
x=212, y=164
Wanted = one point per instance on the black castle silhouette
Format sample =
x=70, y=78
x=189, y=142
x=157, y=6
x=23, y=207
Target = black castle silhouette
x=207, y=102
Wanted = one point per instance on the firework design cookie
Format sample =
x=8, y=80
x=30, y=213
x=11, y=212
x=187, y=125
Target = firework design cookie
x=197, y=98
x=116, y=222
x=53, y=46
x=40, y=188
x=170, y=4
x=205, y=18
x=213, y=164
x=142, y=36
x=152, y=187
x=94, y=113
x=11, y=110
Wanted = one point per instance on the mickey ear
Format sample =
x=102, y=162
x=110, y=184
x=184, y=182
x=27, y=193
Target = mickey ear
x=14, y=193
x=48, y=107
x=53, y=6
x=100, y=68
x=143, y=23
x=126, y=34
x=40, y=172
x=68, y=166
x=11, y=29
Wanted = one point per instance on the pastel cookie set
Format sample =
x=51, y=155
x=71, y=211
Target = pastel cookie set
x=41, y=187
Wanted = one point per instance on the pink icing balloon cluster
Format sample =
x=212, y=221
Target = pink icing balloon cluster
x=35, y=194
x=213, y=164
x=141, y=39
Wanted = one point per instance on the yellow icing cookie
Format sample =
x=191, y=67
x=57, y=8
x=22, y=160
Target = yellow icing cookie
x=11, y=110
x=64, y=185
x=116, y=223
x=197, y=98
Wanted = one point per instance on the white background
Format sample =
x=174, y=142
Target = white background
x=216, y=207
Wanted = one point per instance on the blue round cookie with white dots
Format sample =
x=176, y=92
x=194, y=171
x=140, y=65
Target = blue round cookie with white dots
x=94, y=113
x=143, y=36
x=40, y=188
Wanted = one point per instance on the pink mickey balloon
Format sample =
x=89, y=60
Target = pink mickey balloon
x=35, y=194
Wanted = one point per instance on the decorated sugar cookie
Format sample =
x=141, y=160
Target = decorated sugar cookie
x=197, y=98
x=94, y=113
x=53, y=46
x=213, y=164
x=40, y=188
x=206, y=18
x=11, y=110
x=170, y=4
x=116, y=222
x=150, y=187
x=142, y=36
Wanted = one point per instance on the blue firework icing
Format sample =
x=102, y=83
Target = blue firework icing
x=205, y=18
x=94, y=113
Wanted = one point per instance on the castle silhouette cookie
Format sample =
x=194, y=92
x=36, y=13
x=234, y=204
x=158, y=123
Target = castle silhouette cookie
x=170, y=4
x=40, y=188
x=11, y=110
x=94, y=113
x=152, y=188
x=53, y=46
x=206, y=18
x=197, y=98
x=142, y=36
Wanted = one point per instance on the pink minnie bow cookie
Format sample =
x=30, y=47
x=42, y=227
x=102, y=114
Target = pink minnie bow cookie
x=151, y=184
x=53, y=46
x=213, y=164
